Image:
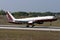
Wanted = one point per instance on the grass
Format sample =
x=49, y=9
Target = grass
x=28, y=35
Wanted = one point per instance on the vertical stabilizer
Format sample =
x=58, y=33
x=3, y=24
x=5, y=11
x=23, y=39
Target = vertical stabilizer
x=10, y=17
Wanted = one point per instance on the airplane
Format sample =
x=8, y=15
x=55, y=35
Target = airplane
x=31, y=20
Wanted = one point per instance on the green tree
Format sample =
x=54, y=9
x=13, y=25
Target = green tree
x=2, y=12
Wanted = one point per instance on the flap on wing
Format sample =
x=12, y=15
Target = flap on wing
x=30, y=22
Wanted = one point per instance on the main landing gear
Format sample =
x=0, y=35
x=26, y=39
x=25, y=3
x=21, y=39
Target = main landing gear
x=32, y=25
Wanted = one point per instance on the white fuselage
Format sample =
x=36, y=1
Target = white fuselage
x=35, y=18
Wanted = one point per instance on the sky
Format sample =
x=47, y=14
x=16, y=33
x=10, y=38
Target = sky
x=30, y=5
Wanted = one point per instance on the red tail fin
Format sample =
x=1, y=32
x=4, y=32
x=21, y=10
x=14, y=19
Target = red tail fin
x=10, y=19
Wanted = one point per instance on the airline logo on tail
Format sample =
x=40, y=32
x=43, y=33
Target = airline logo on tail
x=10, y=19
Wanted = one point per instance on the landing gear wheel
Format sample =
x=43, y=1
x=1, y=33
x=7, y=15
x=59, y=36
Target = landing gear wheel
x=27, y=25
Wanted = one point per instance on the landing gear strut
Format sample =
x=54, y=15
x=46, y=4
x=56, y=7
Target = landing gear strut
x=33, y=25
